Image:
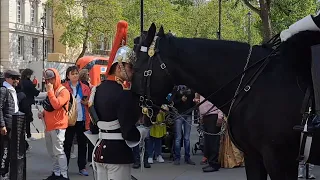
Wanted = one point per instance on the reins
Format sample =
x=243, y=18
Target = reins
x=146, y=99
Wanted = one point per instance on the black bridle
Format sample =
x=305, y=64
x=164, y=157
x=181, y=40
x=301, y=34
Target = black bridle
x=147, y=104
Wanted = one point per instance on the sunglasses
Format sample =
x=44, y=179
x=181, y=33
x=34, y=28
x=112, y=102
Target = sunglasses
x=15, y=78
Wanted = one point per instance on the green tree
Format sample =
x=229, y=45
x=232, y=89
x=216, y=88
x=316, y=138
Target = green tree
x=85, y=21
x=278, y=14
x=202, y=21
x=286, y=12
x=160, y=12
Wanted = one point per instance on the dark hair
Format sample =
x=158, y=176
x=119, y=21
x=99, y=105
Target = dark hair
x=113, y=68
x=70, y=69
x=26, y=74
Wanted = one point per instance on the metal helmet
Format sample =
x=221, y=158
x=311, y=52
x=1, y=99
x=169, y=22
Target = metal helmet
x=124, y=55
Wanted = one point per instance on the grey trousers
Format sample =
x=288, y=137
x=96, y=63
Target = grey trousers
x=113, y=171
x=54, y=142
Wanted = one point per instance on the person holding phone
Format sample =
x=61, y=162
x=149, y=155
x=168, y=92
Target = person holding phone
x=56, y=123
x=81, y=92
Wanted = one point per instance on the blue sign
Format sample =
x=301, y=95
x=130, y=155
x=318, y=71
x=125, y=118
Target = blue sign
x=103, y=69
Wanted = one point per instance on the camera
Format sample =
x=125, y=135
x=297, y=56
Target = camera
x=184, y=91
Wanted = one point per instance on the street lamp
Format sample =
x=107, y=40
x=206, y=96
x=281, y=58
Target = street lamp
x=141, y=16
x=249, y=27
x=43, y=20
x=219, y=28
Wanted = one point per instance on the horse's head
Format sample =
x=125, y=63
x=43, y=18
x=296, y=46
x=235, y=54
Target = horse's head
x=152, y=79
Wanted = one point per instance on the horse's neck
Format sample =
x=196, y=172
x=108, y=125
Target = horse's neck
x=207, y=66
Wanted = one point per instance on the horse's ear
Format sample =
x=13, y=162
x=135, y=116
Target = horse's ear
x=161, y=32
x=151, y=33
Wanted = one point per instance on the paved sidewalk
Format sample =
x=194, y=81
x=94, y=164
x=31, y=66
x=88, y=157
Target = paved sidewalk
x=39, y=165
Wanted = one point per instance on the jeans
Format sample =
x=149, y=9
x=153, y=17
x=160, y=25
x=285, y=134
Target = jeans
x=155, y=145
x=78, y=130
x=136, y=151
x=186, y=136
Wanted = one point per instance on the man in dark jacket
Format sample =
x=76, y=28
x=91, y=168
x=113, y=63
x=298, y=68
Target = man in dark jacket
x=183, y=100
x=8, y=106
x=27, y=86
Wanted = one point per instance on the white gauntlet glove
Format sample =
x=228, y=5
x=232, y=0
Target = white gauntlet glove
x=304, y=24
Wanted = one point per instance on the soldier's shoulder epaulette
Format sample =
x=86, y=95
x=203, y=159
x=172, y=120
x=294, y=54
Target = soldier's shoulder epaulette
x=125, y=84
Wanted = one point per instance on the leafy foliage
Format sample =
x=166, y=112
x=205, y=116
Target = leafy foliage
x=86, y=20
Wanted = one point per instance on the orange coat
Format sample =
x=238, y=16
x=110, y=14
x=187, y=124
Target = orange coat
x=85, y=92
x=57, y=119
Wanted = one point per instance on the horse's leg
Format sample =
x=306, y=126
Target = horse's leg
x=255, y=169
x=281, y=165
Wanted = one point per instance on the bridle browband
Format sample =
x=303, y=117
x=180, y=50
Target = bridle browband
x=147, y=104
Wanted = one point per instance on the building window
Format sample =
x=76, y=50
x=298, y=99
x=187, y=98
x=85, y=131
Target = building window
x=19, y=11
x=34, y=46
x=47, y=48
x=33, y=13
x=20, y=45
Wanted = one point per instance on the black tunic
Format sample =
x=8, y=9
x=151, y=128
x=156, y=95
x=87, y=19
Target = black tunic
x=112, y=102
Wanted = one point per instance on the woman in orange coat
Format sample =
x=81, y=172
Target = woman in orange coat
x=81, y=92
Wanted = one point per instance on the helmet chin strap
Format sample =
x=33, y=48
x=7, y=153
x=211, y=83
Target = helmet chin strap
x=123, y=70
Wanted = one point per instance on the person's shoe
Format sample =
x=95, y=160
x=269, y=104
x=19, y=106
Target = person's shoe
x=189, y=161
x=63, y=178
x=52, y=177
x=204, y=161
x=136, y=165
x=31, y=139
x=210, y=169
x=147, y=165
x=160, y=159
x=176, y=162
x=150, y=160
x=73, y=156
x=83, y=172
x=205, y=166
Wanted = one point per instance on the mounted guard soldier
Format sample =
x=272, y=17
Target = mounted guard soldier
x=308, y=23
x=116, y=111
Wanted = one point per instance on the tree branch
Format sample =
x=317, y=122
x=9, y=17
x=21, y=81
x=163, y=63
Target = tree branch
x=269, y=3
x=254, y=9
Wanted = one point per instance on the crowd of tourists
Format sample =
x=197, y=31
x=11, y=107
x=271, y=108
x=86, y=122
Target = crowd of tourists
x=18, y=93
x=164, y=133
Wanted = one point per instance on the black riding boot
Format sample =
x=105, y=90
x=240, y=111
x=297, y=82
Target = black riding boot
x=315, y=70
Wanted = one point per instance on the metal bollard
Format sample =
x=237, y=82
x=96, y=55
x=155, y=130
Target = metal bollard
x=18, y=147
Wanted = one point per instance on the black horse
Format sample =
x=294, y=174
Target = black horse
x=261, y=124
